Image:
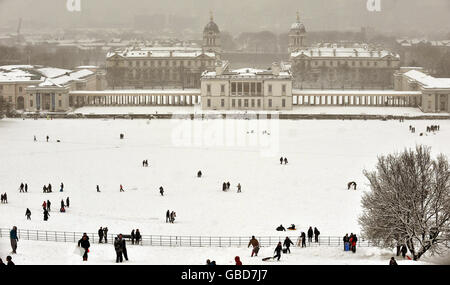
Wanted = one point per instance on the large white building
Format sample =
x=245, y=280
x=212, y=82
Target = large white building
x=246, y=89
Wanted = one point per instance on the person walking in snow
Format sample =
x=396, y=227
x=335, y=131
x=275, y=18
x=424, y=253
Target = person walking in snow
x=287, y=243
x=172, y=216
x=404, y=250
x=228, y=185
x=199, y=174
x=44, y=189
x=35, y=139
x=13, y=239
x=132, y=236
x=316, y=234
x=48, y=205
x=239, y=188
x=167, y=216
x=67, y=202
x=303, y=236
x=47, y=138
x=46, y=215
x=161, y=191
x=310, y=234
x=277, y=251
x=124, y=247
x=98, y=189
x=346, y=241
x=105, y=234
x=26, y=188
x=100, y=235
x=21, y=188
x=224, y=186
x=255, y=243
x=85, y=244
x=285, y=161
x=118, y=248
x=62, y=203
x=121, y=188
x=44, y=205
x=49, y=188
x=62, y=187
x=28, y=214
x=281, y=160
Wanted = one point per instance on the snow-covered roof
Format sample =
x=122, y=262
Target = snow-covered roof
x=66, y=78
x=247, y=73
x=139, y=92
x=343, y=52
x=428, y=81
x=144, y=52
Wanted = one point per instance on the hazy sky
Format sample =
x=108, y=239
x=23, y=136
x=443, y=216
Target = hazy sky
x=423, y=16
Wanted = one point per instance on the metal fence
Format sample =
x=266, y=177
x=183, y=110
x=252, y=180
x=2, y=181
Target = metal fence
x=181, y=241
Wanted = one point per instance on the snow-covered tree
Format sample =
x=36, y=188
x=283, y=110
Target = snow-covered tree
x=409, y=202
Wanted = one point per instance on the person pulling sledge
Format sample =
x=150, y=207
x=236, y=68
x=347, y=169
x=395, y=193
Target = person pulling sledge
x=255, y=243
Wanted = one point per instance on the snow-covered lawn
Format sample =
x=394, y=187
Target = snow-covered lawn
x=47, y=253
x=311, y=190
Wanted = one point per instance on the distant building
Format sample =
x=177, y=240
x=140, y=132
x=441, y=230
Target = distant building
x=246, y=89
x=435, y=92
x=329, y=66
x=39, y=88
x=161, y=66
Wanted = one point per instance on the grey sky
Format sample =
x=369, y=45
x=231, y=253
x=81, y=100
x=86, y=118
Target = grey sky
x=423, y=16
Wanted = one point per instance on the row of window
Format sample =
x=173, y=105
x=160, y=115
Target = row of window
x=350, y=63
x=253, y=103
x=246, y=88
x=158, y=63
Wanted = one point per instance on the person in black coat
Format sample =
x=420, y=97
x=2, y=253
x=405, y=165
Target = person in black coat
x=28, y=214
x=287, y=243
x=132, y=236
x=124, y=247
x=316, y=234
x=46, y=215
x=224, y=186
x=105, y=234
x=404, y=250
x=392, y=261
x=199, y=174
x=26, y=188
x=48, y=205
x=67, y=202
x=281, y=228
x=167, y=216
x=310, y=234
x=100, y=235
x=138, y=236
x=85, y=244
x=118, y=248
x=9, y=261
x=161, y=190
x=277, y=251
x=281, y=160
x=303, y=235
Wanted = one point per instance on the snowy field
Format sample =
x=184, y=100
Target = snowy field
x=311, y=190
x=304, y=110
x=51, y=253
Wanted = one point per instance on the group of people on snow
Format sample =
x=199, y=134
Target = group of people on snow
x=135, y=236
x=120, y=247
x=283, y=159
x=350, y=242
x=226, y=186
x=47, y=189
x=9, y=262
x=170, y=216
x=412, y=129
x=145, y=163
x=23, y=188
x=433, y=128
x=103, y=234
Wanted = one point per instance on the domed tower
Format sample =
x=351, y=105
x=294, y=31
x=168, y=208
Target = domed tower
x=297, y=35
x=211, y=36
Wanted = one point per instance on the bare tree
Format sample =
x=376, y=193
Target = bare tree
x=409, y=202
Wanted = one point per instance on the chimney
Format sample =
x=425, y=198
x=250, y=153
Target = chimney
x=276, y=68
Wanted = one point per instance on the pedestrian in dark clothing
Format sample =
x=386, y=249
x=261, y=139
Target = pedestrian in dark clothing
x=316, y=234
x=105, y=234
x=49, y=188
x=26, y=188
x=278, y=250
x=132, y=237
x=224, y=186
x=9, y=261
x=62, y=204
x=199, y=174
x=47, y=138
x=228, y=185
x=98, y=189
x=85, y=244
x=62, y=187
x=285, y=161
x=353, y=239
x=124, y=247
x=167, y=216
x=100, y=235
x=67, y=202
x=346, y=241
x=287, y=243
x=239, y=188
x=161, y=191
x=310, y=234
x=237, y=260
x=46, y=215
x=138, y=236
x=48, y=205
x=14, y=239
x=404, y=250
x=21, y=187
x=119, y=249
x=392, y=261
x=44, y=189
x=28, y=214
x=281, y=160
x=303, y=235
x=281, y=228
x=398, y=249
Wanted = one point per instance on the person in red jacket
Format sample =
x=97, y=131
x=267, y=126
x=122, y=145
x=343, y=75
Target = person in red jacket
x=238, y=260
